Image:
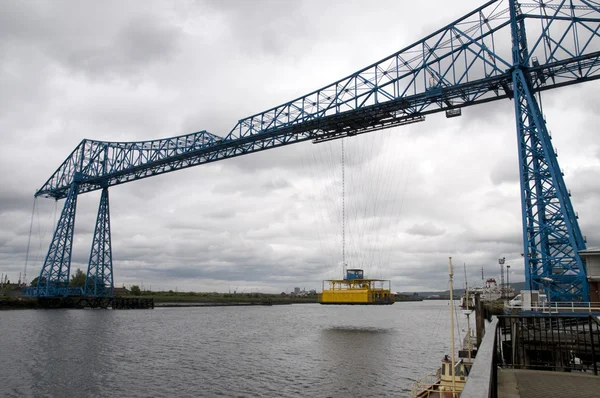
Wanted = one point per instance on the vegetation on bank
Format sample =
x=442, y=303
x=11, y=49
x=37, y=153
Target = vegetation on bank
x=194, y=297
x=187, y=298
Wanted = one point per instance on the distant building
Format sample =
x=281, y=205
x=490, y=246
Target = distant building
x=592, y=258
x=296, y=291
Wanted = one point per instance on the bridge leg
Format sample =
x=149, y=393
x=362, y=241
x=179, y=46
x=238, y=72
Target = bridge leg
x=99, y=278
x=54, y=276
x=551, y=234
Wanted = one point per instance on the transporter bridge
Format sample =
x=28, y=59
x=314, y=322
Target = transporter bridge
x=505, y=50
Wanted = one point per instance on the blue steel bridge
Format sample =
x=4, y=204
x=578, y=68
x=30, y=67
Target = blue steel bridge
x=505, y=50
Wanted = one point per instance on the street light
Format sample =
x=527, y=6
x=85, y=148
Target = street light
x=548, y=295
x=501, y=262
x=508, y=280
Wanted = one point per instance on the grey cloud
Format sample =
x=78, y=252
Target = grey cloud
x=276, y=184
x=97, y=40
x=222, y=214
x=276, y=33
x=426, y=229
x=586, y=185
x=504, y=172
x=14, y=200
x=143, y=41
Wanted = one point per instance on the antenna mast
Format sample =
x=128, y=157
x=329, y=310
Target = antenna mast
x=343, y=213
x=467, y=312
x=451, y=274
x=29, y=241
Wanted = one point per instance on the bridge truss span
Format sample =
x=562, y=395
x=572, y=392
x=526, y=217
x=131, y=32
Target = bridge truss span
x=505, y=49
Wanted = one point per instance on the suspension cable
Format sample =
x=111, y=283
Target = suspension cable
x=29, y=240
x=343, y=213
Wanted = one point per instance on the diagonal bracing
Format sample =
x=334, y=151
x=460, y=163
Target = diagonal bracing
x=99, y=277
x=54, y=276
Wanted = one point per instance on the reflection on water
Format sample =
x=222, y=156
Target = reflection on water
x=356, y=360
x=358, y=329
x=279, y=351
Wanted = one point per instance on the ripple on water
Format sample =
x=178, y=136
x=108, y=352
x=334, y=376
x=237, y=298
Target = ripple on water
x=299, y=350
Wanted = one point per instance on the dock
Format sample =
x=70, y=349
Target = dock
x=544, y=355
x=132, y=303
x=525, y=383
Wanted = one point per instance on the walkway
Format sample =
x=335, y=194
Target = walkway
x=520, y=383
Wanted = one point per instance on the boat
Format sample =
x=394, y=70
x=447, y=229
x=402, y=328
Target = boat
x=490, y=291
x=355, y=289
x=451, y=377
x=467, y=303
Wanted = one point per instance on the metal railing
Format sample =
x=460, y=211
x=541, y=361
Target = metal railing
x=483, y=378
x=426, y=386
x=558, y=307
x=550, y=342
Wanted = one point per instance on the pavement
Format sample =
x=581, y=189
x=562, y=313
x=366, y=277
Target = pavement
x=521, y=383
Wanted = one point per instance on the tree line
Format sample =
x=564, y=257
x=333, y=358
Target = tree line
x=77, y=279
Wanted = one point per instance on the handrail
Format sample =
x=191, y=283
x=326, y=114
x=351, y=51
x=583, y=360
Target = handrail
x=482, y=378
x=559, y=307
x=527, y=340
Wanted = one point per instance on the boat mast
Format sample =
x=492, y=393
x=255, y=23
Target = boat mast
x=466, y=287
x=451, y=273
x=343, y=213
x=467, y=312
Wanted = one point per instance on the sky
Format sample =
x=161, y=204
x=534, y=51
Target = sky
x=266, y=222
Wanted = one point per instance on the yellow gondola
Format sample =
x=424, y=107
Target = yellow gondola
x=354, y=289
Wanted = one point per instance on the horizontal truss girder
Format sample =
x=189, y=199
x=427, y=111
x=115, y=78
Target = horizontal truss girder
x=463, y=64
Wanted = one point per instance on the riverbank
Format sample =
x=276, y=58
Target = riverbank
x=18, y=303
x=167, y=300
x=230, y=304
x=172, y=299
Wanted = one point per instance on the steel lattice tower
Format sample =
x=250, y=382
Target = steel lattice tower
x=551, y=234
x=99, y=278
x=54, y=276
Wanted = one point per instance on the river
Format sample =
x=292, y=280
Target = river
x=279, y=351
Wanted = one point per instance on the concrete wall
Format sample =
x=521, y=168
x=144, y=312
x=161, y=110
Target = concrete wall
x=593, y=267
x=593, y=274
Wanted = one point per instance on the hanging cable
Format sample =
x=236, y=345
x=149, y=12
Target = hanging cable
x=343, y=213
x=42, y=236
x=29, y=240
x=365, y=209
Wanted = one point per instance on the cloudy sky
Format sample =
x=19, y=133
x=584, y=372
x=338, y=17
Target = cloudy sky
x=130, y=71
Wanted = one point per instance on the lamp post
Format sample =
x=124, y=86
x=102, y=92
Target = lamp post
x=508, y=280
x=501, y=262
x=547, y=281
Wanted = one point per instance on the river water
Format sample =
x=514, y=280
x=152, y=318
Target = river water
x=279, y=351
